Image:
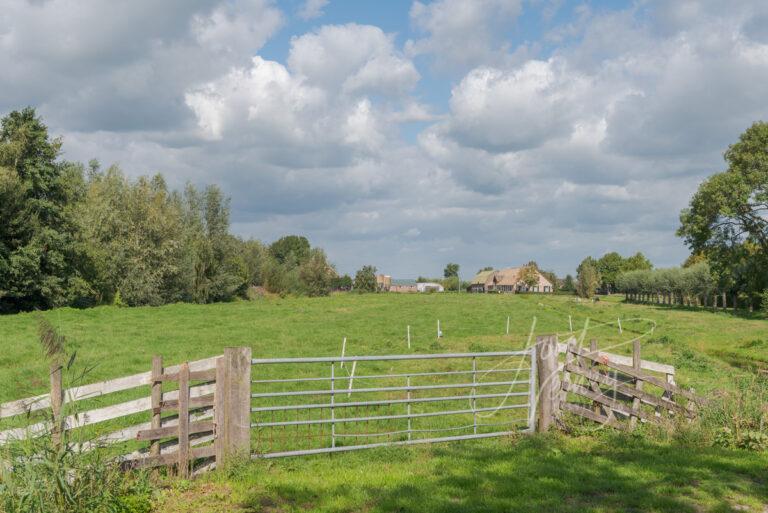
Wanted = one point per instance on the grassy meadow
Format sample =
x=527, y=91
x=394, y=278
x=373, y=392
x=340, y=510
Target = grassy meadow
x=596, y=472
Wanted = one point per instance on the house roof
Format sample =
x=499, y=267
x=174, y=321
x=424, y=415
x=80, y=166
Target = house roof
x=482, y=277
x=508, y=276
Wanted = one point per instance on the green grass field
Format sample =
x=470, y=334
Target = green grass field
x=590, y=473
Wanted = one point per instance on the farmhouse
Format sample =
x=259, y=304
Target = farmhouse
x=509, y=280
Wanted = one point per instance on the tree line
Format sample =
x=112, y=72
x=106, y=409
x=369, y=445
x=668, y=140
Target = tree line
x=602, y=275
x=79, y=235
x=690, y=286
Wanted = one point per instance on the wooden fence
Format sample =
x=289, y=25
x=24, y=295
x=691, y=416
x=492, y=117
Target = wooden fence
x=614, y=390
x=208, y=421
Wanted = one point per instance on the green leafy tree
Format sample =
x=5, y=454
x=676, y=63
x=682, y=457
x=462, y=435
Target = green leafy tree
x=365, y=279
x=452, y=283
x=610, y=266
x=451, y=270
x=727, y=219
x=39, y=255
x=316, y=274
x=568, y=283
x=587, y=278
x=291, y=250
x=342, y=282
x=486, y=268
x=530, y=274
x=637, y=262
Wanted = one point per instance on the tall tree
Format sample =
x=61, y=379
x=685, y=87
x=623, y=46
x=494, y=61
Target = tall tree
x=588, y=278
x=610, y=266
x=727, y=219
x=530, y=274
x=451, y=270
x=365, y=279
x=38, y=253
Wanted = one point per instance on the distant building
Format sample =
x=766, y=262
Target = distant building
x=429, y=287
x=383, y=282
x=403, y=286
x=507, y=280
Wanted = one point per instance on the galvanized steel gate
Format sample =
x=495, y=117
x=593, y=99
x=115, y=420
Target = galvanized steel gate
x=316, y=405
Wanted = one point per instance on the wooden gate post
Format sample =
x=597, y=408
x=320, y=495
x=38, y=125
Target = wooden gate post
x=236, y=432
x=549, y=381
x=57, y=401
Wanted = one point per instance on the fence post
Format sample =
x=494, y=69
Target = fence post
x=237, y=402
x=156, y=398
x=549, y=380
x=57, y=400
x=219, y=397
x=636, y=366
x=183, y=466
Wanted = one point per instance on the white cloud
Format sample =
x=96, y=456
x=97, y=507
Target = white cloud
x=516, y=109
x=356, y=58
x=461, y=34
x=312, y=9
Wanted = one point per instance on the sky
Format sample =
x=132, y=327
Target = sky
x=407, y=134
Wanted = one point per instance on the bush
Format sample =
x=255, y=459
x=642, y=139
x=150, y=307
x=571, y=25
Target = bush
x=44, y=478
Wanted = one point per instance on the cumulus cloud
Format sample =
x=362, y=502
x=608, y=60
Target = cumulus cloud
x=356, y=58
x=460, y=34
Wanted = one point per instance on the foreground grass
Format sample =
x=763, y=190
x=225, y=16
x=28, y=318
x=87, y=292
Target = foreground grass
x=607, y=473
x=610, y=473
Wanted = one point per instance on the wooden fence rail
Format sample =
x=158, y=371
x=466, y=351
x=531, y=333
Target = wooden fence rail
x=614, y=390
x=213, y=410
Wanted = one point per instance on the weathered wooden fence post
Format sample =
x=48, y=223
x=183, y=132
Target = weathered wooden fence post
x=219, y=399
x=57, y=401
x=183, y=466
x=156, y=398
x=549, y=380
x=236, y=435
x=636, y=366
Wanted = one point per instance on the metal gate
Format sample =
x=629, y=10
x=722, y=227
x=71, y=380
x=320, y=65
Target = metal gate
x=305, y=406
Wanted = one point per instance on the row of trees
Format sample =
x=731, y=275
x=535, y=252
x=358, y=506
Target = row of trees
x=77, y=235
x=692, y=286
x=603, y=274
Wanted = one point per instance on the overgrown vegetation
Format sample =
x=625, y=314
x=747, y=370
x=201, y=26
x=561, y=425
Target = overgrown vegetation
x=51, y=473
